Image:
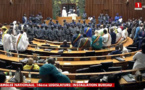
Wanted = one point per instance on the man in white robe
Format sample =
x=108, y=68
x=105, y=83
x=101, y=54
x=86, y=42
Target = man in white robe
x=106, y=39
x=124, y=34
x=21, y=42
x=14, y=27
x=7, y=42
x=64, y=13
x=119, y=35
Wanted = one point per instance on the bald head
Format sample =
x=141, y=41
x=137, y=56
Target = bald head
x=30, y=61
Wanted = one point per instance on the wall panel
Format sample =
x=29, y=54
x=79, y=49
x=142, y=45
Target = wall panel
x=95, y=7
x=9, y=13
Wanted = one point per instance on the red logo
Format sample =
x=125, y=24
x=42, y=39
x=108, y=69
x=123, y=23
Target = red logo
x=138, y=6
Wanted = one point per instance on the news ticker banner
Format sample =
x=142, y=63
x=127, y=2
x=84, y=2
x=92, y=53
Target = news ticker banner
x=57, y=85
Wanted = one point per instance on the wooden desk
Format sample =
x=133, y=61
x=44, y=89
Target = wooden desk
x=69, y=63
x=35, y=80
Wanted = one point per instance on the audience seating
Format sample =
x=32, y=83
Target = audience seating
x=130, y=64
x=114, y=68
x=96, y=68
x=1, y=47
x=106, y=65
x=46, y=45
x=83, y=77
x=101, y=58
x=16, y=65
x=2, y=64
x=90, y=53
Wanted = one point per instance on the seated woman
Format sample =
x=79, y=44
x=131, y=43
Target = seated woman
x=52, y=60
x=65, y=44
x=139, y=59
x=117, y=51
x=30, y=65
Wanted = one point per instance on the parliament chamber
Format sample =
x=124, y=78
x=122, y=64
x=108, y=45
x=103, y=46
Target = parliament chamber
x=72, y=41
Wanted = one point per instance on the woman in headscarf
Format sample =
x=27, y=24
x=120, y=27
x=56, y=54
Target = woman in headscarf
x=49, y=74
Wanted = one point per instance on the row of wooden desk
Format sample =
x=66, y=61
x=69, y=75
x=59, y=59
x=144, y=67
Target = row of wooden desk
x=128, y=42
x=122, y=80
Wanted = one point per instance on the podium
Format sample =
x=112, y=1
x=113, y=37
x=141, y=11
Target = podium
x=68, y=19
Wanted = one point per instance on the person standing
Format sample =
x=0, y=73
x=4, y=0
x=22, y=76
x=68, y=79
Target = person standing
x=76, y=38
x=67, y=33
x=139, y=59
x=88, y=31
x=106, y=39
x=113, y=36
x=84, y=16
x=24, y=19
x=84, y=43
x=97, y=41
x=7, y=41
x=21, y=42
x=64, y=12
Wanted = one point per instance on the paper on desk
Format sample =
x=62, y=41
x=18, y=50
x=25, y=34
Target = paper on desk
x=80, y=82
x=65, y=72
x=67, y=63
x=7, y=77
x=86, y=81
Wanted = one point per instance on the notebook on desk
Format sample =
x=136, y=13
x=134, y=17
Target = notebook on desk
x=129, y=78
x=119, y=59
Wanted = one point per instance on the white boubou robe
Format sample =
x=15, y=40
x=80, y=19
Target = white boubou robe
x=107, y=40
x=64, y=13
x=14, y=27
x=8, y=42
x=119, y=35
x=22, y=42
x=124, y=34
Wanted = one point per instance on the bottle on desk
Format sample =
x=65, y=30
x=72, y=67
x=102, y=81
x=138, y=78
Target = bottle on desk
x=10, y=73
x=29, y=76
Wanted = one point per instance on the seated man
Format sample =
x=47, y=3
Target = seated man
x=85, y=42
x=65, y=44
x=52, y=60
x=30, y=65
x=117, y=51
x=49, y=74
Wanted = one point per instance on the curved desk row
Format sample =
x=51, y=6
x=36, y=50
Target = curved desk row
x=77, y=53
x=73, y=75
x=66, y=65
x=41, y=42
